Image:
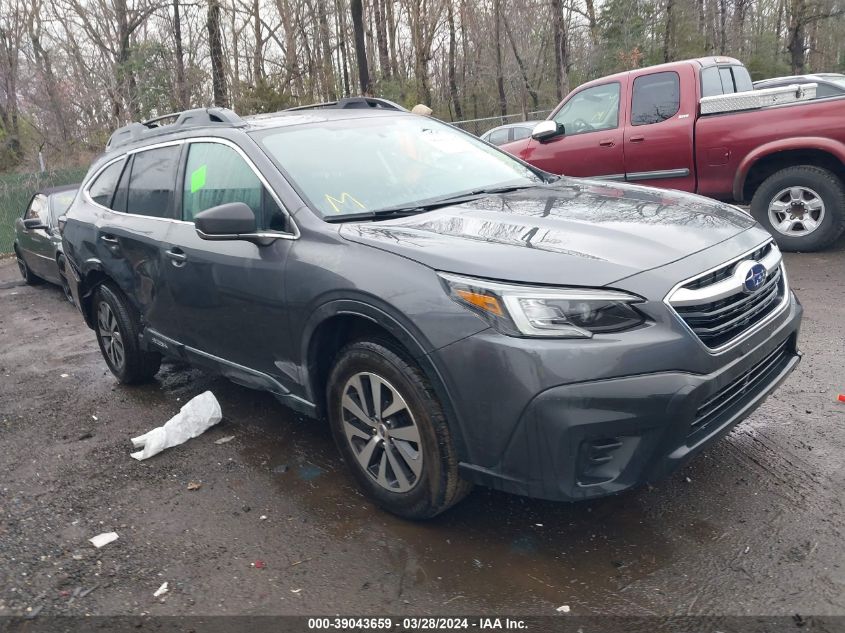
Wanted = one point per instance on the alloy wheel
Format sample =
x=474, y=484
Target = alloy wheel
x=110, y=335
x=382, y=432
x=796, y=211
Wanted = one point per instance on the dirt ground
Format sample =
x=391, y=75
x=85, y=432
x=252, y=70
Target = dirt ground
x=753, y=526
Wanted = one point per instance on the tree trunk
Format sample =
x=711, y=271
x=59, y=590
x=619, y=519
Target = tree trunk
x=497, y=44
x=357, y=10
x=257, y=53
x=326, y=47
x=181, y=87
x=668, y=33
x=215, y=45
x=561, y=52
x=381, y=38
x=523, y=71
x=453, y=83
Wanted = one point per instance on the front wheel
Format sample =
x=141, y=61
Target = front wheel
x=391, y=430
x=803, y=207
x=29, y=277
x=117, y=334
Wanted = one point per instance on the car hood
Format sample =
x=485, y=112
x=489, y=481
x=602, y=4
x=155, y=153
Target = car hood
x=572, y=232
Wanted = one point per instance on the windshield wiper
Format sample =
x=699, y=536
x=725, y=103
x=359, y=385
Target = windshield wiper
x=404, y=211
x=378, y=214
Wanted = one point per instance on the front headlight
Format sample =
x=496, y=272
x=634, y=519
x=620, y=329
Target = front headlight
x=545, y=312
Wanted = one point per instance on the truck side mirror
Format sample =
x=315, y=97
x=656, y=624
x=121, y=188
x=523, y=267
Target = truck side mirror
x=546, y=130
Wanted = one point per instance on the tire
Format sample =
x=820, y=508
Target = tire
x=62, y=264
x=416, y=413
x=117, y=328
x=29, y=277
x=799, y=192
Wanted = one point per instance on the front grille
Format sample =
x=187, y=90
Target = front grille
x=748, y=383
x=718, y=322
x=726, y=271
x=715, y=305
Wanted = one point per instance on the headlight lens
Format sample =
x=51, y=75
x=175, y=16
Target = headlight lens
x=545, y=312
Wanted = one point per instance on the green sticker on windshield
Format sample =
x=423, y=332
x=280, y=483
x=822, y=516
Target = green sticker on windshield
x=198, y=179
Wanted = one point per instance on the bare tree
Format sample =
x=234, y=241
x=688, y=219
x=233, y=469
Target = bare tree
x=215, y=45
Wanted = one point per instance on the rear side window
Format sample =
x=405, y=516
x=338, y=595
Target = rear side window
x=725, y=80
x=152, y=182
x=499, y=137
x=216, y=174
x=657, y=97
x=521, y=133
x=102, y=189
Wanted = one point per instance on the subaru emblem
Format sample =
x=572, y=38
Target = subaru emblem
x=754, y=278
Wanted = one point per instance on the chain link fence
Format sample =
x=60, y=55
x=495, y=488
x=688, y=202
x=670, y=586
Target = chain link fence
x=16, y=191
x=480, y=126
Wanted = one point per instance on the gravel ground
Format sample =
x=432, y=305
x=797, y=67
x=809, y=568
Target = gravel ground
x=753, y=526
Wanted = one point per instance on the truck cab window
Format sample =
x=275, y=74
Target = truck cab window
x=657, y=97
x=590, y=110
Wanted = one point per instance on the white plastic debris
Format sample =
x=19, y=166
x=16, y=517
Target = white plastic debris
x=160, y=591
x=563, y=608
x=64, y=375
x=198, y=415
x=103, y=539
x=223, y=440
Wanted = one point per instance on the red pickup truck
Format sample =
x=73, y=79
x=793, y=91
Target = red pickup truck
x=698, y=126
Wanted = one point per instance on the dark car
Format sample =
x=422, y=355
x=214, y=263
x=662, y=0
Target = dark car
x=509, y=133
x=458, y=316
x=38, y=244
x=829, y=84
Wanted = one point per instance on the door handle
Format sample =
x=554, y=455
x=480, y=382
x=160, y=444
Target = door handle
x=109, y=239
x=608, y=142
x=636, y=139
x=177, y=256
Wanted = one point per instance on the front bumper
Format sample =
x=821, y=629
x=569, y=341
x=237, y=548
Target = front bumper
x=598, y=437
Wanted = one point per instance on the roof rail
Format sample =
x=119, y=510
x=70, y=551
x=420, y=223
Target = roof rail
x=197, y=117
x=351, y=103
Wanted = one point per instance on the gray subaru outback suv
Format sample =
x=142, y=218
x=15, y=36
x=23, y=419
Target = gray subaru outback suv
x=458, y=316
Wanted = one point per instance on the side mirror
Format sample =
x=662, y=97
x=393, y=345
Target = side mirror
x=33, y=223
x=231, y=221
x=546, y=130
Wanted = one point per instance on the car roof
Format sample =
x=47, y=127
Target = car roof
x=49, y=191
x=220, y=122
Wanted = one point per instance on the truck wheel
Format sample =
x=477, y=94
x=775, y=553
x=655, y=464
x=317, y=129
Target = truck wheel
x=391, y=431
x=117, y=333
x=803, y=207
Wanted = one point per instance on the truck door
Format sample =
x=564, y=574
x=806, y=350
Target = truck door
x=591, y=143
x=659, y=130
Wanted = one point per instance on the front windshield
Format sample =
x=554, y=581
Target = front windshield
x=60, y=202
x=371, y=163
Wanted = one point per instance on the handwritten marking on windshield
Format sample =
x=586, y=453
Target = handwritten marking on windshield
x=339, y=203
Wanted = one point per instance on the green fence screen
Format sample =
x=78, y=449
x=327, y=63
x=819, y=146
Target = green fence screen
x=17, y=189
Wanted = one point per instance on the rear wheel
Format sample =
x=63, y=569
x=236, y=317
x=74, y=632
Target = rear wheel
x=803, y=207
x=28, y=276
x=391, y=431
x=62, y=277
x=117, y=334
